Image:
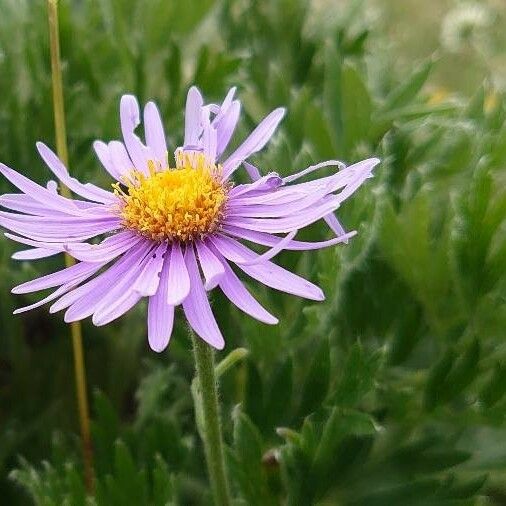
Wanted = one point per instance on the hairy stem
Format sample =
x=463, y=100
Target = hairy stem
x=207, y=408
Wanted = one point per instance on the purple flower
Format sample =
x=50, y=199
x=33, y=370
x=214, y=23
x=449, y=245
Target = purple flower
x=172, y=234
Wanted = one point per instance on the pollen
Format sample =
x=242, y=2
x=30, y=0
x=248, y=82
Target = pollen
x=177, y=204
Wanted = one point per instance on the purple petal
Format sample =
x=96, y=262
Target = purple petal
x=120, y=308
x=85, y=300
x=121, y=159
x=105, y=156
x=225, y=105
x=155, y=134
x=252, y=171
x=312, y=168
x=237, y=293
x=36, y=244
x=193, y=127
x=209, y=143
x=39, y=193
x=149, y=280
x=335, y=225
x=268, y=183
x=267, y=273
x=57, y=293
x=107, y=250
x=226, y=125
x=61, y=277
x=179, y=279
x=87, y=191
x=287, y=224
x=160, y=314
x=271, y=210
x=130, y=119
x=121, y=296
x=280, y=246
x=271, y=240
x=211, y=266
x=254, y=143
x=196, y=306
x=25, y=204
x=34, y=253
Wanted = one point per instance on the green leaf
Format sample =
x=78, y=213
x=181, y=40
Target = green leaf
x=316, y=384
x=495, y=388
x=332, y=93
x=409, y=89
x=357, y=377
x=356, y=109
x=436, y=379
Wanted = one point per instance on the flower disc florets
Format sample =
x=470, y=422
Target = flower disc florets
x=182, y=204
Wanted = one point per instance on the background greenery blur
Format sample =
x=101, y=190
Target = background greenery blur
x=392, y=392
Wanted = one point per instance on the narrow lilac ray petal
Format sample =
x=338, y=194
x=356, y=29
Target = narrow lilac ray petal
x=55, y=220
x=225, y=105
x=149, y=280
x=289, y=223
x=39, y=193
x=335, y=225
x=95, y=293
x=25, y=204
x=36, y=244
x=57, y=278
x=179, y=279
x=193, y=127
x=266, y=239
x=87, y=191
x=34, y=254
x=118, y=298
x=280, y=246
x=209, y=143
x=61, y=238
x=226, y=125
x=130, y=119
x=160, y=314
x=268, y=182
x=275, y=211
x=107, y=250
x=97, y=284
x=255, y=142
x=252, y=171
x=104, y=155
x=196, y=306
x=267, y=273
x=312, y=168
x=155, y=133
x=121, y=159
x=124, y=305
x=211, y=266
x=238, y=294
x=57, y=293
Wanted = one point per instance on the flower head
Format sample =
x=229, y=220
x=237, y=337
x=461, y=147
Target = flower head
x=171, y=234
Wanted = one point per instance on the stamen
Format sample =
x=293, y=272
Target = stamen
x=180, y=204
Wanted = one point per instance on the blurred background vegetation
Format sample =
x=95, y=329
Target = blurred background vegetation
x=392, y=391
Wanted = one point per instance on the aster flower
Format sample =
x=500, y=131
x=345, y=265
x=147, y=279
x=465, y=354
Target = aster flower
x=171, y=234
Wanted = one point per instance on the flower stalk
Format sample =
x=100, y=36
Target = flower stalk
x=76, y=331
x=207, y=413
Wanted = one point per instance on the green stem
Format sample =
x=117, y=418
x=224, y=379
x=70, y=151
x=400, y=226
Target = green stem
x=76, y=331
x=210, y=426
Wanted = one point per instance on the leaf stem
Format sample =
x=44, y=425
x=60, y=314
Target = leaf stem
x=76, y=331
x=207, y=413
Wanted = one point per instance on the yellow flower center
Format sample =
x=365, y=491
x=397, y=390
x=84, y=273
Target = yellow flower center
x=183, y=204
